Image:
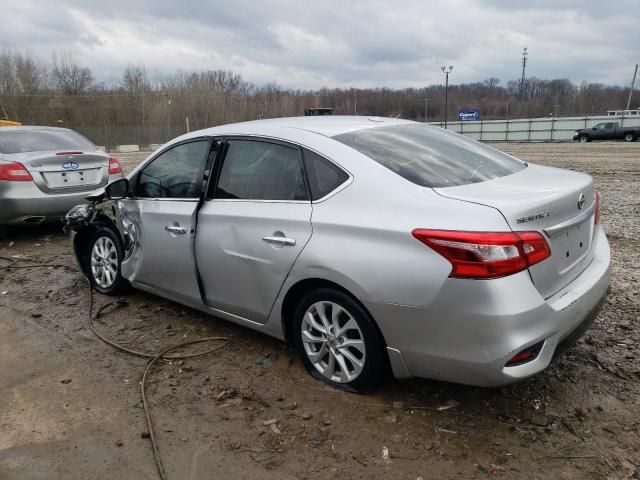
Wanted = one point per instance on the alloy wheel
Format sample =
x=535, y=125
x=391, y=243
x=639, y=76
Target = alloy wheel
x=104, y=262
x=333, y=342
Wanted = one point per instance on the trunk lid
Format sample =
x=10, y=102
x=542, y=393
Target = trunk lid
x=65, y=171
x=546, y=200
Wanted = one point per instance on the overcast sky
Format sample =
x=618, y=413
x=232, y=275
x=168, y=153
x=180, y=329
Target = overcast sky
x=309, y=44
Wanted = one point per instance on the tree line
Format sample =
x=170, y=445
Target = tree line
x=138, y=109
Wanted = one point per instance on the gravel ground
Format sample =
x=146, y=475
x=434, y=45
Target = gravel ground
x=70, y=405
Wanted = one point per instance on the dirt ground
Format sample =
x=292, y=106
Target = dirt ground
x=70, y=405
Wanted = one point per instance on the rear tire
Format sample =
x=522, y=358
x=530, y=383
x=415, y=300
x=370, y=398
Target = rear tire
x=629, y=137
x=102, y=258
x=338, y=341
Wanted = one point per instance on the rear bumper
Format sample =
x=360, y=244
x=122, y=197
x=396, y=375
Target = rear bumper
x=473, y=328
x=25, y=203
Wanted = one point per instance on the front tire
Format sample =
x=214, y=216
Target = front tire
x=629, y=137
x=103, y=257
x=583, y=138
x=338, y=341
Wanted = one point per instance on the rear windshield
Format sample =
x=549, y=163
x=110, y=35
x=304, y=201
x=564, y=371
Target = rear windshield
x=429, y=156
x=23, y=141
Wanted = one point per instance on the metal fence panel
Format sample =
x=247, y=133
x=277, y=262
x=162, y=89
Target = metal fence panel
x=550, y=129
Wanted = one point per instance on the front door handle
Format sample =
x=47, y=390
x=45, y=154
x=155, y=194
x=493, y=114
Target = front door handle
x=176, y=229
x=280, y=241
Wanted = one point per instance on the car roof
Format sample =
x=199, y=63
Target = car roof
x=327, y=125
x=30, y=128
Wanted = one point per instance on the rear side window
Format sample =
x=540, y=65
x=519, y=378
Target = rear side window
x=23, y=141
x=256, y=170
x=175, y=173
x=324, y=176
x=429, y=156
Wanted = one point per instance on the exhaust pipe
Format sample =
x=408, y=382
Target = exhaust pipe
x=32, y=220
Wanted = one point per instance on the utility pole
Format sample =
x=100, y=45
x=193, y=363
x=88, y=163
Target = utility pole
x=632, y=84
x=426, y=101
x=446, y=91
x=524, y=66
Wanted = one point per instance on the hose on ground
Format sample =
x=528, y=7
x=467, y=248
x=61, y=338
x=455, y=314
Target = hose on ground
x=153, y=357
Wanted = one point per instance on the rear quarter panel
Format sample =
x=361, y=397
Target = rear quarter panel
x=362, y=235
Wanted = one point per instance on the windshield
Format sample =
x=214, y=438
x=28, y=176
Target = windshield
x=430, y=156
x=23, y=141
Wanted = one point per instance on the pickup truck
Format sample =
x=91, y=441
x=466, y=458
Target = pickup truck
x=607, y=131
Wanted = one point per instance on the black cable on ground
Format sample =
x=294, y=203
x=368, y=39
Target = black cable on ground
x=12, y=261
x=153, y=357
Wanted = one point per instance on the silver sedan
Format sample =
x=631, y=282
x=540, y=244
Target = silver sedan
x=374, y=245
x=44, y=171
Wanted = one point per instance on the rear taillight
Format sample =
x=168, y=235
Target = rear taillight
x=14, y=172
x=114, y=166
x=486, y=254
x=596, y=214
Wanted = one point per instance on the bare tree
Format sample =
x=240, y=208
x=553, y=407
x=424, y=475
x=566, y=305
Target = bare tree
x=31, y=75
x=135, y=80
x=7, y=72
x=69, y=76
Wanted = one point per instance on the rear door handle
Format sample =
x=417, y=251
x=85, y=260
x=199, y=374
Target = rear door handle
x=280, y=241
x=176, y=229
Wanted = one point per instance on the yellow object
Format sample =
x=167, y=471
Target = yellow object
x=9, y=123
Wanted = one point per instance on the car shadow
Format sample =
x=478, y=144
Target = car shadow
x=27, y=233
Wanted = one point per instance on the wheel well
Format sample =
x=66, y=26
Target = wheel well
x=297, y=291
x=82, y=237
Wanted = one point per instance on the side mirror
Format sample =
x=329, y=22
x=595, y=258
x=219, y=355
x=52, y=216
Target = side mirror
x=117, y=190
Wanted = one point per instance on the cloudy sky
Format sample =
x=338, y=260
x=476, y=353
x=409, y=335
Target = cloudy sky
x=336, y=43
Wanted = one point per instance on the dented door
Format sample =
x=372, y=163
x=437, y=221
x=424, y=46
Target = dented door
x=252, y=228
x=159, y=220
x=245, y=250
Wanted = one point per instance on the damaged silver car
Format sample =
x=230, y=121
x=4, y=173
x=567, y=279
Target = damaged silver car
x=374, y=245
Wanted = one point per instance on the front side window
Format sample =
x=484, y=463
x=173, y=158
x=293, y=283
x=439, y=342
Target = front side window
x=429, y=156
x=257, y=170
x=600, y=126
x=175, y=173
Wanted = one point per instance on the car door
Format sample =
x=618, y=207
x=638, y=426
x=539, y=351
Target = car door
x=253, y=225
x=610, y=131
x=599, y=131
x=160, y=219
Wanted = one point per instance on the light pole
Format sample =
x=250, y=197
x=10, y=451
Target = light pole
x=446, y=72
x=168, y=107
x=426, y=100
